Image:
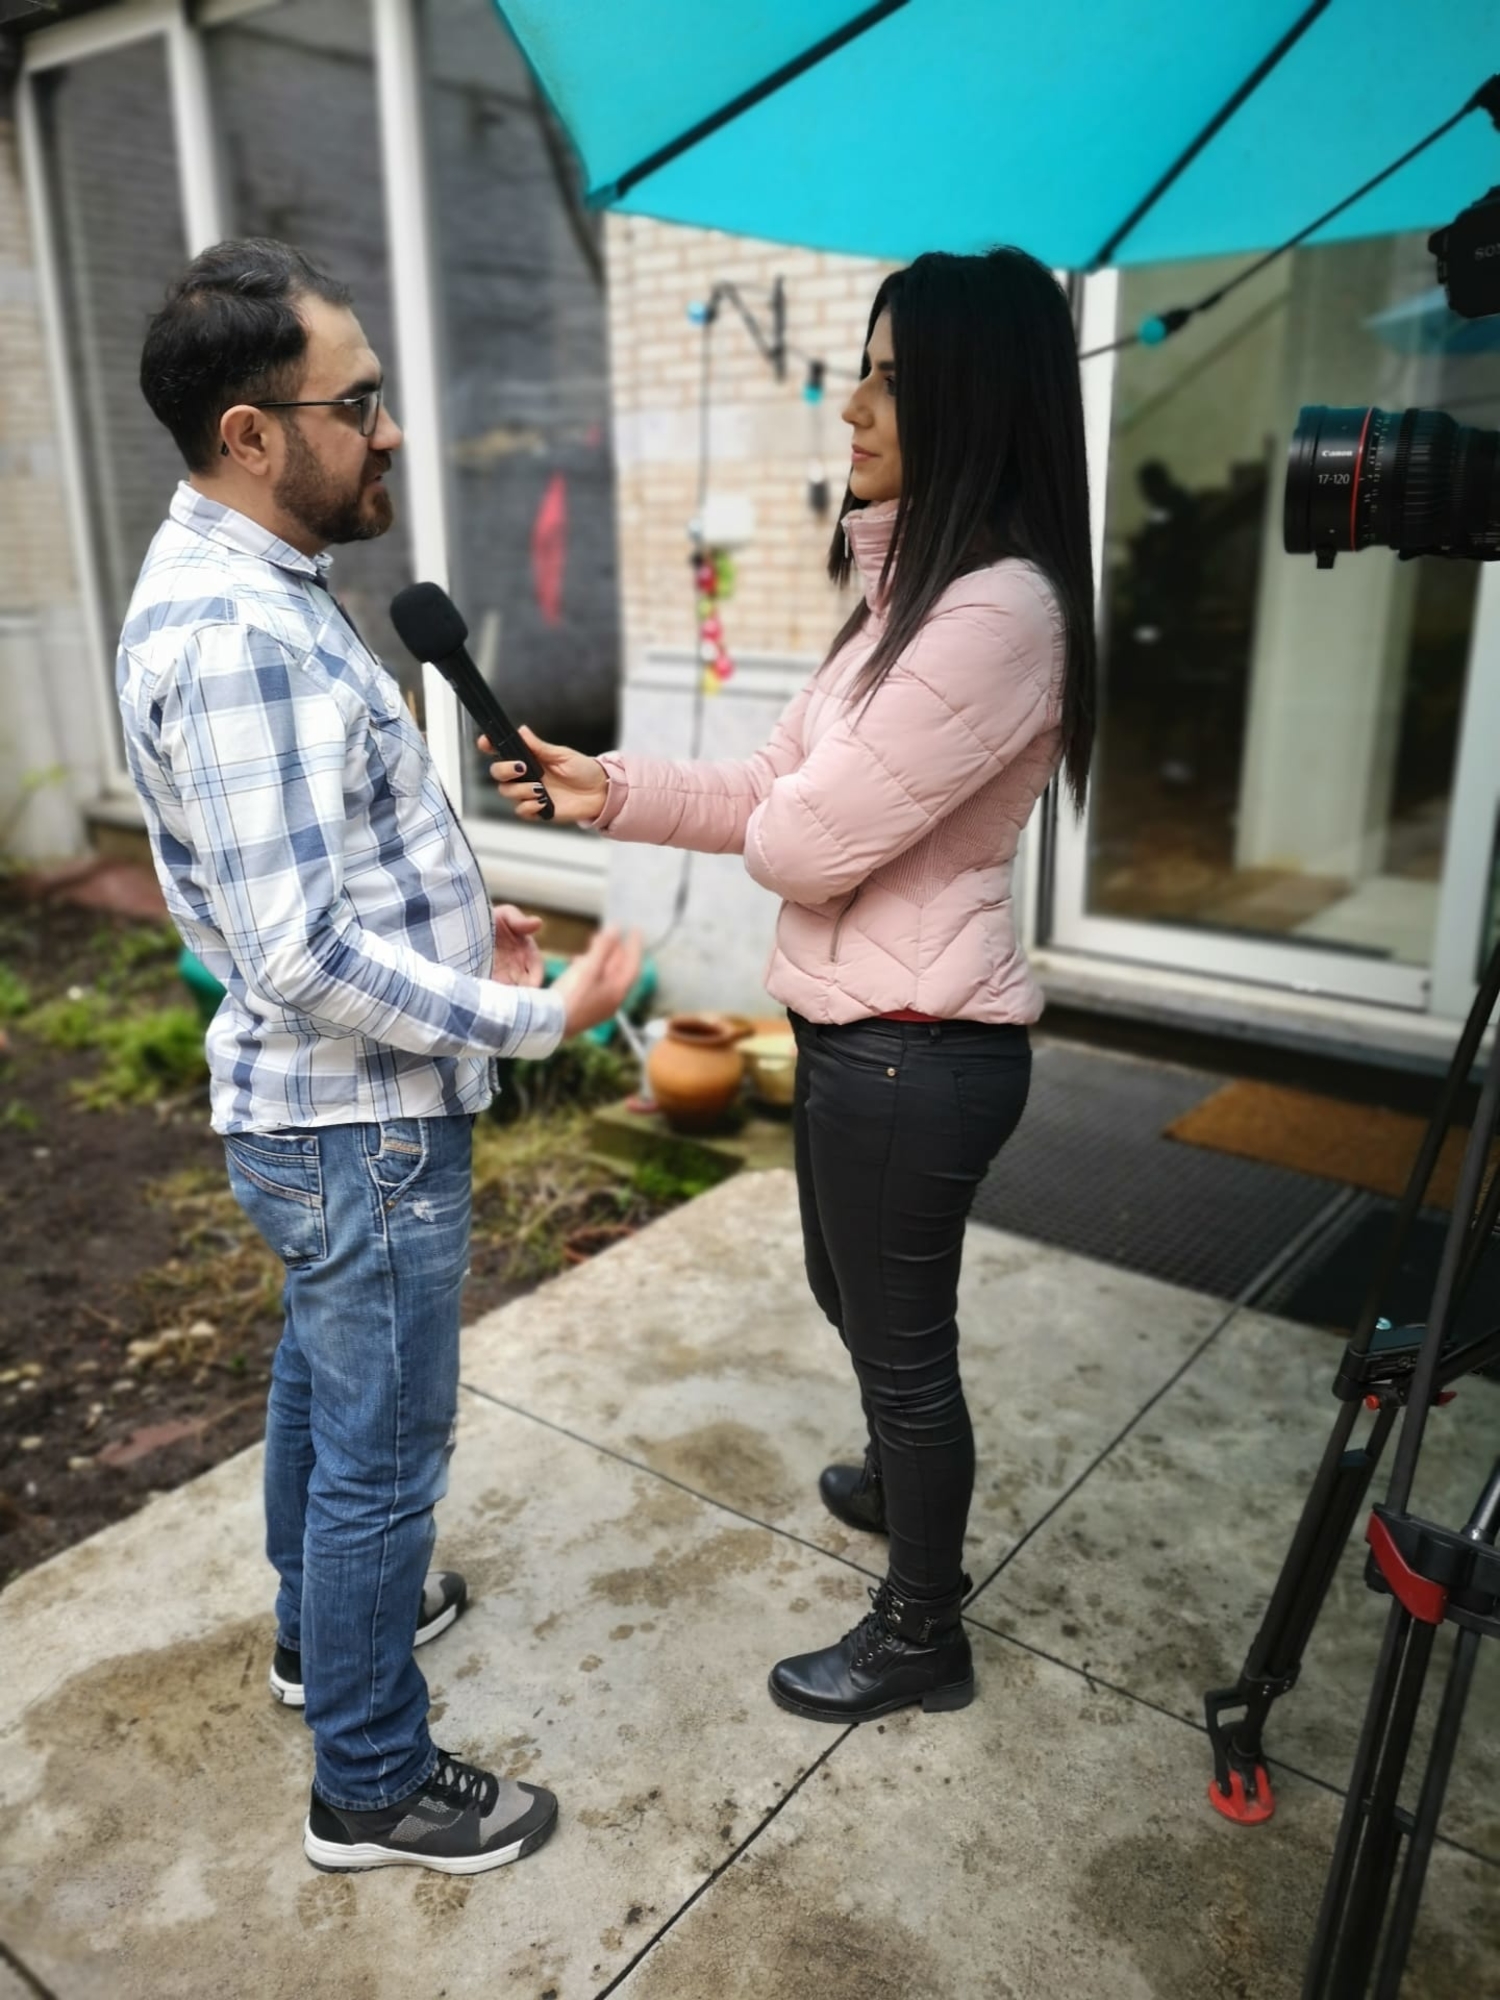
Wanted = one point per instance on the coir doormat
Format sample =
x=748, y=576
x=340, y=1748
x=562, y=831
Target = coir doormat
x=1358, y=1144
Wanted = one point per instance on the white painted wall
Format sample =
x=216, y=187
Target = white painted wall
x=716, y=958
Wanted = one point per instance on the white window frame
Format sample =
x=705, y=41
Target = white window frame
x=1445, y=988
x=562, y=870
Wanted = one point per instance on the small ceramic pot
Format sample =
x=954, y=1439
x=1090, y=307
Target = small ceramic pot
x=772, y=1064
x=694, y=1071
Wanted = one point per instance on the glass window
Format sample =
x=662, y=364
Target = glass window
x=1277, y=745
x=295, y=107
x=525, y=385
x=113, y=193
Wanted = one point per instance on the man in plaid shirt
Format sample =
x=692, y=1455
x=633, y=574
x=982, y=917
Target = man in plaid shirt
x=312, y=860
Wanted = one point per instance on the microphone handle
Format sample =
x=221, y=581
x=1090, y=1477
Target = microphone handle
x=477, y=696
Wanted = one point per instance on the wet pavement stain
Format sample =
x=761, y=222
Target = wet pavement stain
x=768, y=1934
x=184, y=1738
x=730, y=1461
x=674, y=1574
x=1204, y=1910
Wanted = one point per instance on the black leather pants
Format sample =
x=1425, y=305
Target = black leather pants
x=896, y=1124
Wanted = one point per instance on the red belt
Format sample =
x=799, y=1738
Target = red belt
x=911, y=1014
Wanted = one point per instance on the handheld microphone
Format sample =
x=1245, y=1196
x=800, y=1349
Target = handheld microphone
x=431, y=627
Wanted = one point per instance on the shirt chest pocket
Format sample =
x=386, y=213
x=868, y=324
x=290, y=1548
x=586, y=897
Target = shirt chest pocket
x=397, y=748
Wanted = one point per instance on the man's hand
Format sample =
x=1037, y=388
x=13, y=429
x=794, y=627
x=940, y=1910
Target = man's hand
x=517, y=962
x=595, y=985
x=576, y=785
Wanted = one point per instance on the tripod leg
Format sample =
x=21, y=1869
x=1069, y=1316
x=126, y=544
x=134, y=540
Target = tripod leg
x=1240, y=1788
x=1364, y=1855
x=1429, y=1809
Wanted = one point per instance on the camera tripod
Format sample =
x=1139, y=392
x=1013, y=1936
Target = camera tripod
x=1434, y=1575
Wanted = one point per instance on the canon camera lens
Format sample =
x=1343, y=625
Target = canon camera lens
x=1413, y=480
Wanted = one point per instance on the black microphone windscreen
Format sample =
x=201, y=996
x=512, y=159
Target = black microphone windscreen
x=427, y=621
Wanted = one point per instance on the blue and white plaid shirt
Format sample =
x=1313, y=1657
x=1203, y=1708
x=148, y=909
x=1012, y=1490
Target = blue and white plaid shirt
x=308, y=853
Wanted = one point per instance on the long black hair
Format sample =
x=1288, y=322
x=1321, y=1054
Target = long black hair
x=989, y=414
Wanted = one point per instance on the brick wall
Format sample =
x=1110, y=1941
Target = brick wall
x=783, y=601
x=784, y=610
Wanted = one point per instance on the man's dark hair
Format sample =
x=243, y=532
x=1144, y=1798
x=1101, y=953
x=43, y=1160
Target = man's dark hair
x=229, y=332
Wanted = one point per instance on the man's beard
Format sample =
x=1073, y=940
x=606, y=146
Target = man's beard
x=330, y=513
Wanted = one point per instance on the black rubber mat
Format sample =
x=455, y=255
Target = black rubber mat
x=1327, y=1288
x=1089, y=1171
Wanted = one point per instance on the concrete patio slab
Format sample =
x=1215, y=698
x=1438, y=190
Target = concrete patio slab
x=696, y=1349
x=1050, y=1841
x=153, y=1793
x=1033, y=1847
x=1155, y=1574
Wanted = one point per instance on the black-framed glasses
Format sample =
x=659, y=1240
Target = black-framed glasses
x=368, y=405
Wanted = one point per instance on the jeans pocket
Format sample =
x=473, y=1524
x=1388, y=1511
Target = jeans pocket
x=875, y=1049
x=278, y=1182
x=397, y=1154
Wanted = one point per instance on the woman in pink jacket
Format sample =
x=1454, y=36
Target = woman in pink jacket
x=885, y=812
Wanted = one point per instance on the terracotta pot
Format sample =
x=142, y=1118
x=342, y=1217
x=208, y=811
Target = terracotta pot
x=694, y=1071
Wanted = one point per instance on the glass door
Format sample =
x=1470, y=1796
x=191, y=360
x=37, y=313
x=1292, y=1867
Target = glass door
x=1279, y=793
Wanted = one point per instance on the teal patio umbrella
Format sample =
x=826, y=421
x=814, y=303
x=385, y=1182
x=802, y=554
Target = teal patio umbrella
x=1088, y=131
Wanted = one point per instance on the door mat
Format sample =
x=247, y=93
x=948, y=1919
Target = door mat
x=1089, y=1172
x=1359, y=1144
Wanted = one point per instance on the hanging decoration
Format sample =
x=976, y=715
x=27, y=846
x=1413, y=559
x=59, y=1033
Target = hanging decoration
x=713, y=581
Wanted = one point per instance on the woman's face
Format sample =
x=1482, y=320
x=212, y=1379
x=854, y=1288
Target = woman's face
x=875, y=451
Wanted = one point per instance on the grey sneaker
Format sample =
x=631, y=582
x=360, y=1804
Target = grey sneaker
x=461, y=1822
x=444, y=1596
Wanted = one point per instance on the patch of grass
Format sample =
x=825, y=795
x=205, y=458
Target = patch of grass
x=19, y=1117
x=133, y=954
x=149, y=1052
x=220, y=1281
x=75, y=1021
x=147, y=1056
x=15, y=995
x=665, y=1185
x=541, y=1202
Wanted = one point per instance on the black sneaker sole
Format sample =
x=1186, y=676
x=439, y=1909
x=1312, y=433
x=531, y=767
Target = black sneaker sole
x=332, y=1857
x=936, y=1701
x=291, y=1693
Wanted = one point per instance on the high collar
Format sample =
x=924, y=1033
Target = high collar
x=233, y=530
x=867, y=533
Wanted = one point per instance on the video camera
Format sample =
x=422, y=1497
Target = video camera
x=1415, y=481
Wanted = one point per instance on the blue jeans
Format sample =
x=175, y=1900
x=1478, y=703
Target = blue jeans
x=372, y=1223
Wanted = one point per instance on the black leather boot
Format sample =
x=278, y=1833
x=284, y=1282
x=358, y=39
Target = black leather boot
x=855, y=1495
x=897, y=1654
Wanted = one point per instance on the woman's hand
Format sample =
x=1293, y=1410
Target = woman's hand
x=576, y=784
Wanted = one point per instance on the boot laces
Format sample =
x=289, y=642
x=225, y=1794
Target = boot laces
x=874, y=1636
x=463, y=1785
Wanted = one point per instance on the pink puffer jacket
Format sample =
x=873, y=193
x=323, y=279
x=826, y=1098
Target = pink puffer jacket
x=889, y=831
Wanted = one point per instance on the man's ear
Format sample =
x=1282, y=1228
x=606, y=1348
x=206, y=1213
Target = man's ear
x=244, y=436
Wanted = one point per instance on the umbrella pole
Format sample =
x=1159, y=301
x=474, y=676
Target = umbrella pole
x=1381, y=1367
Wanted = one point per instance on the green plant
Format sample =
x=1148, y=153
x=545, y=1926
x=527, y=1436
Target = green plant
x=77, y=1021
x=127, y=951
x=18, y=1117
x=147, y=1056
x=15, y=994
x=578, y=1074
x=665, y=1184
